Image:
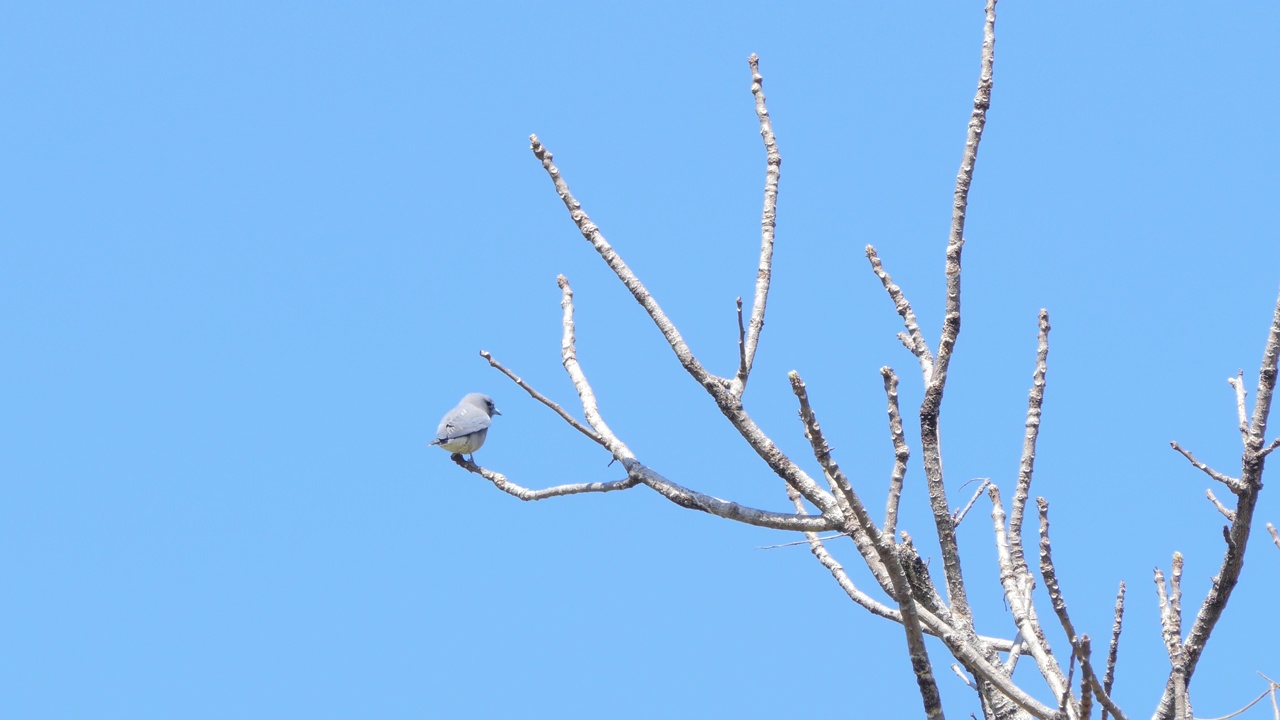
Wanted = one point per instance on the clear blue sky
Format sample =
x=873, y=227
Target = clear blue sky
x=251, y=252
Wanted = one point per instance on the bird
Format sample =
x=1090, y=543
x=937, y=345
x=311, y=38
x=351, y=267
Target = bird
x=463, y=429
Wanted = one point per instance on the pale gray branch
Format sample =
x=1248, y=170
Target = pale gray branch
x=817, y=546
x=768, y=223
x=637, y=473
x=1226, y=512
x=555, y=407
x=1117, y=622
x=931, y=406
x=962, y=512
x=724, y=508
x=860, y=520
x=729, y=404
x=501, y=482
x=743, y=369
x=1232, y=483
x=1237, y=535
x=569, y=359
x=871, y=543
x=1050, y=574
x=913, y=339
x=1086, y=664
x=1026, y=465
x=1242, y=710
x=1237, y=384
x=611, y=258
x=1171, y=631
x=1017, y=584
x=901, y=453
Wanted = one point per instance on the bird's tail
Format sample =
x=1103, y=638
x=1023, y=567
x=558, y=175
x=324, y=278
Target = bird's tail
x=437, y=441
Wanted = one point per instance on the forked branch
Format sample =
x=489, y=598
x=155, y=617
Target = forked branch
x=768, y=223
x=1237, y=533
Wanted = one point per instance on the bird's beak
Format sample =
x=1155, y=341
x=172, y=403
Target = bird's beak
x=496, y=411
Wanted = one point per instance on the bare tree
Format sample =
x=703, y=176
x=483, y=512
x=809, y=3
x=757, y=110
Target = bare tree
x=908, y=593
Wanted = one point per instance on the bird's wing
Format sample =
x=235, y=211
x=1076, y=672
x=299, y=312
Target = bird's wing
x=462, y=420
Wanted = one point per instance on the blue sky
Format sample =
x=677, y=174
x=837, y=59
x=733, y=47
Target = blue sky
x=251, y=253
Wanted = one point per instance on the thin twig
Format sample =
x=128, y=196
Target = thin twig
x=1237, y=384
x=913, y=339
x=1116, y=623
x=569, y=359
x=959, y=514
x=871, y=543
x=1066, y=696
x=1086, y=698
x=964, y=677
x=1085, y=647
x=1169, y=625
x=1226, y=512
x=768, y=223
x=1275, y=706
x=1241, y=711
x=1232, y=484
x=1270, y=448
x=742, y=342
x=638, y=473
x=1026, y=465
x=591, y=232
x=555, y=407
x=1011, y=663
x=798, y=542
x=901, y=453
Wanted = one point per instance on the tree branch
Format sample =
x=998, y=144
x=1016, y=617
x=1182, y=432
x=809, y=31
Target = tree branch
x=1171, y=631
x=1026, y=466
x=913, y=339
x=1237, y=534
x=901, y=587
x=730, y=405
x=1228, y=514
x=1017, y=590
x=1232, y=484
x=1237, y=383
x=555, y=407
x=637, y=472
x=1049, y=572
x=768, y=222
x=960, y=514
x=1086, y=646
x=569, y=359
x=1116, y=623
x=901, y=453
x=611, y=258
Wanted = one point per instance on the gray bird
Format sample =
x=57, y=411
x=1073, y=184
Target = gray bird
x=463, y=429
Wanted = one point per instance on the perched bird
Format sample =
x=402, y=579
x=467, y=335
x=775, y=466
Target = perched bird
x=463, y=429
